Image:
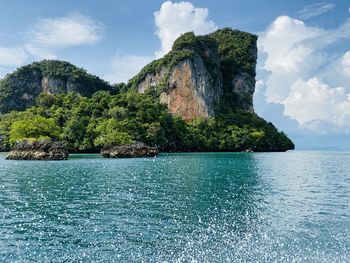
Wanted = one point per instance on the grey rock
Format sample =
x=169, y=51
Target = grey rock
x=137, y=149
x=39, y=150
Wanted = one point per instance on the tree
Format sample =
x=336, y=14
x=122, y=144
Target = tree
x=38, y=128
x=109, y=134
x=74, y=132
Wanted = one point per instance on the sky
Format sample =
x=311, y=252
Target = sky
x=303, y=70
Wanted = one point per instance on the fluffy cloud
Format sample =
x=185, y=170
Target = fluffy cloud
x=173, y=19
x=49, y=35
x=291, y=53
x=71, y=30
x=315, y=10
x=303, y=71
x=314, y=101
x=38, y=52
x=12, y=56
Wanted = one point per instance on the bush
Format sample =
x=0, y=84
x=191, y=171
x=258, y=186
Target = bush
x=38, y=128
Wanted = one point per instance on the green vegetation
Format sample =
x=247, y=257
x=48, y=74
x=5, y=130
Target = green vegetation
x=185, y=47
x=18, y=90
x=87, y=124
x=36, y=128
x=57, y=101
x=237, y=51
x=168, y=61
x=228, y=51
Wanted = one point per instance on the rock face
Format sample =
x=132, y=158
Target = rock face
x=19, y=89
x=130, y=150
x=38, y=151
x=190, y=90
x=204, y=75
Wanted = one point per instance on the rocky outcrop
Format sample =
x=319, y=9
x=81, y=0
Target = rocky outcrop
x=19, y=89
x=204, y=76
x=137, y=149
x=243, y=87
x=3, y=147
x=39, y=150
x=190, y=91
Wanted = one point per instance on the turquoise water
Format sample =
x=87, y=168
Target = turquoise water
x=205, y=207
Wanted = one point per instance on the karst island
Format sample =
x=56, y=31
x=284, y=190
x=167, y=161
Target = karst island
x=197, y=98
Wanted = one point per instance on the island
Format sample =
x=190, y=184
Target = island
x=198, y=97
x=137, y=149
x=38, y=150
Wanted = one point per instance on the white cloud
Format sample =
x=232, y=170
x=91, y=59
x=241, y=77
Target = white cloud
x=314, y=101
x=124, y=66
x=49, y=35
x=173, y=19
x=346, y=64
x=39, y=52
x=12, y=56
x=285, y=42
x=67, y=31
x=315, y=10
x=290, y=54
x=259, y=86
x=297, y=58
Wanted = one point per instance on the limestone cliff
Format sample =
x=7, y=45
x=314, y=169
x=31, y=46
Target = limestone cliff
x=203, y=76
x=190, y=92
x=19, y=89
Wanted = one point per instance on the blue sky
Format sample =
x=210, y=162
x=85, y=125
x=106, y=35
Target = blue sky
x=304, y=55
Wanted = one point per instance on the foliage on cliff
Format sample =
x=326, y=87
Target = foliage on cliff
x=87, y=124
x=236, y=50
x=19, y=89
x=185, y=47
x=238, y=54
x=58, y=101
x=225, y=52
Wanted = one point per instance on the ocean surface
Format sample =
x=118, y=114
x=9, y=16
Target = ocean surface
x=198, y=207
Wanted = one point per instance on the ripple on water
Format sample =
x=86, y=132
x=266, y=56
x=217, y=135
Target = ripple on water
x=212, y=207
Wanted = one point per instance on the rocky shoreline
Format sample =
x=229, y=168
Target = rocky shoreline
x=38, y=150
x=137, y=149
x=46, y=150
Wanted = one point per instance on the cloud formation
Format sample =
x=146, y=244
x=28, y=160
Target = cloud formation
x=312, y=102
x=289, y=54
x=67, y=31
x=51, y=34
x=305, y=75
x=173, y=19
x=12, y=56
x=314, y=10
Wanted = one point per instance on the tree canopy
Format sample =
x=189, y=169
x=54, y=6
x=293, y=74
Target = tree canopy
x=87, y=124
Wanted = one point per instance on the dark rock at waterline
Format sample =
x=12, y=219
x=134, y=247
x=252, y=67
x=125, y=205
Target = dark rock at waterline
x=3, y=148
x=38, y=150
x=137, y=149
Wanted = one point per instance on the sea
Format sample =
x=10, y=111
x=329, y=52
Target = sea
x=180, y=207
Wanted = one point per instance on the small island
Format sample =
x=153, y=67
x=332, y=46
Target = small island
x=137, y=149
x=38, y=150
